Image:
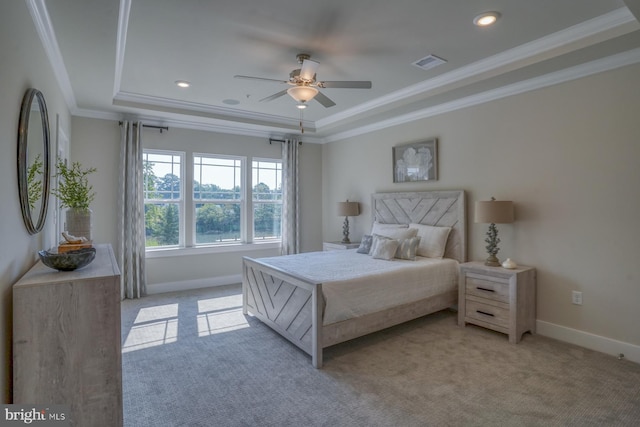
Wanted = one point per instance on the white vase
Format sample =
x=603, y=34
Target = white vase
x=79, y=222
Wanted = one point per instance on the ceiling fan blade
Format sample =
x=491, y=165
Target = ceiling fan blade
x=346, y=84
x=308, y=70
x=258, y=78
x=274, y=96
x=322, y=99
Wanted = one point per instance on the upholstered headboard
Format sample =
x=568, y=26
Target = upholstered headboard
x=437, y=208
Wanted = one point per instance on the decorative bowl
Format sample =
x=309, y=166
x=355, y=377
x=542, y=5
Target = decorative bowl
x=68, y=261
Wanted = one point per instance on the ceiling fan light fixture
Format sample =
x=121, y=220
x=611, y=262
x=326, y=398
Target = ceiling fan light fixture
x=302, y=94
x=486, y=19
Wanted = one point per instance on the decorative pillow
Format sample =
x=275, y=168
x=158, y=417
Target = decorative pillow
x=377, y=238
x=365, y=244
x=408, y=248
x=433, y=240
x=385, y=249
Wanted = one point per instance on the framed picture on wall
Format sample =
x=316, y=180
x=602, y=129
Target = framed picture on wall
x=417, y=161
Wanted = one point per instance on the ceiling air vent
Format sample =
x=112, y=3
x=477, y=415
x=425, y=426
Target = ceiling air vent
x=429, y=62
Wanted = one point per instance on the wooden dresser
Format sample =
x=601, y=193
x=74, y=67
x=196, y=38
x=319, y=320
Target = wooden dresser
x=66, y=340
x=498, y=298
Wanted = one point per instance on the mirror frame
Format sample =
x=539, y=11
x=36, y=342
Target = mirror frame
x=23, y=141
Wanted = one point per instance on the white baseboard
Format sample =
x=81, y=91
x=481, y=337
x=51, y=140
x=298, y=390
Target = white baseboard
x=183, y=285
x=591, y=341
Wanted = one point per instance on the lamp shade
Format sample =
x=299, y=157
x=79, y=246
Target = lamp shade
x=348, y=208
x=494, y=212
x=302, y=93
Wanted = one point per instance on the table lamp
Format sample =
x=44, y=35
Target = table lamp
x=347, y=209
x=493, y=212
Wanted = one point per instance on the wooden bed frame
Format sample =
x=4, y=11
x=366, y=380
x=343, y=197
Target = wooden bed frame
x=293, y=305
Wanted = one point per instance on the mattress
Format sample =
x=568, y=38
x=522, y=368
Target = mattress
x=355, y=284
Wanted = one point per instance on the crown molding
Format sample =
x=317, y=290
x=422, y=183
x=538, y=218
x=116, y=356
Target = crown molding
x=44, y=28
x=594, y=67
x=598, y=25
x=217, y=126
x=211, y=111
x=121, y=42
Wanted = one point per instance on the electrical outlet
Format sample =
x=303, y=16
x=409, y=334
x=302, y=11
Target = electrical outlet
x=576, y=297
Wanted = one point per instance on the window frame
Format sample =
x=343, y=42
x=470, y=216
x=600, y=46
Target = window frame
x=259, y=202
x=187, y=225
x=180, y=202
x=242, y=201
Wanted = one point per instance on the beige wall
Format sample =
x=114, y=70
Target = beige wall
x=96, y=144
x=24, y=65
x=566, y=155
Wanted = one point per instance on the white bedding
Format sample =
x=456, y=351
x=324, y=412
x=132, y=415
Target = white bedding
x=356, y=284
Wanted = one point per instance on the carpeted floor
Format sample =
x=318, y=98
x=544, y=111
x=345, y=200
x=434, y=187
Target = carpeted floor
x=193, y=359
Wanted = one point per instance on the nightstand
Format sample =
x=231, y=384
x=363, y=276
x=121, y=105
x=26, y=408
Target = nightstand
x=339, y=246
x=497, y=298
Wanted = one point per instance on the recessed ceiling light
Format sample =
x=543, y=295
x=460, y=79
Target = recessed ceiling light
x=183, y=83
x=301, y=105
x=486, y=19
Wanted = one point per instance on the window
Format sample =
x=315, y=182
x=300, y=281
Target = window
x=217, y=198
x=163, y=201
x=267, y=199
x=213, y=200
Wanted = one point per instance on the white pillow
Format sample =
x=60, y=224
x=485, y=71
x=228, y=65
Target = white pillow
x=379, y=227
x=395, y=231
x=385, y=249
x=433, y=240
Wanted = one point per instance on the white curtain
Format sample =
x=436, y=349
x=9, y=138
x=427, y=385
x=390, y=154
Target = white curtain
x=290, y=200
x=131, y=213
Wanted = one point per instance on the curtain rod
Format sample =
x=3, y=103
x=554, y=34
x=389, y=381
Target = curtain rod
x=160, y=128
x=281, y=140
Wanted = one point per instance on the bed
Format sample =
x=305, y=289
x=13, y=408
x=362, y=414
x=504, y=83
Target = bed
x=319, y=299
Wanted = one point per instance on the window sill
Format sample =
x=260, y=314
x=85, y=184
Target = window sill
x=212, y=249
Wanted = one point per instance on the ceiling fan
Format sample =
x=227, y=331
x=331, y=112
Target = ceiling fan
x=304, y=86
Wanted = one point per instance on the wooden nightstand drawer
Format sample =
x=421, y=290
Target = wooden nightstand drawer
x=487, y=287
x=487, y=313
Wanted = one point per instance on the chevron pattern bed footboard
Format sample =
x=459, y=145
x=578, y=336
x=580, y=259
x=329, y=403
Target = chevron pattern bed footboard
x=289, y=305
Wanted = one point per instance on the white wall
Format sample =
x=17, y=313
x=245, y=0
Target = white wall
x=96, y=144
x=24, y=65
x=567, y=156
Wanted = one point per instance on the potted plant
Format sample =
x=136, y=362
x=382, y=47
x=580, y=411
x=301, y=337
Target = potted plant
x=75, y=193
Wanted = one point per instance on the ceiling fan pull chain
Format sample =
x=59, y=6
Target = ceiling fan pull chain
x=301, y=127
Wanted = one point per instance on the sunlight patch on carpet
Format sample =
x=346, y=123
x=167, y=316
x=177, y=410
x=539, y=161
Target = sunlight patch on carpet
x=218, y=315
x=153, y=326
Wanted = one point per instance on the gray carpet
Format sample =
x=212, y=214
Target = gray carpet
x=193, y=359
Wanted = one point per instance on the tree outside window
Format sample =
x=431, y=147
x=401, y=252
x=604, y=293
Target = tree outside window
x=162, y=198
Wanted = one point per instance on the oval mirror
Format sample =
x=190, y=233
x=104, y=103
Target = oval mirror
x=33, y=160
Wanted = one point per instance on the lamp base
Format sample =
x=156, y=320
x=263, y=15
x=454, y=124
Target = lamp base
x=492, y=261
x=345, y=230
